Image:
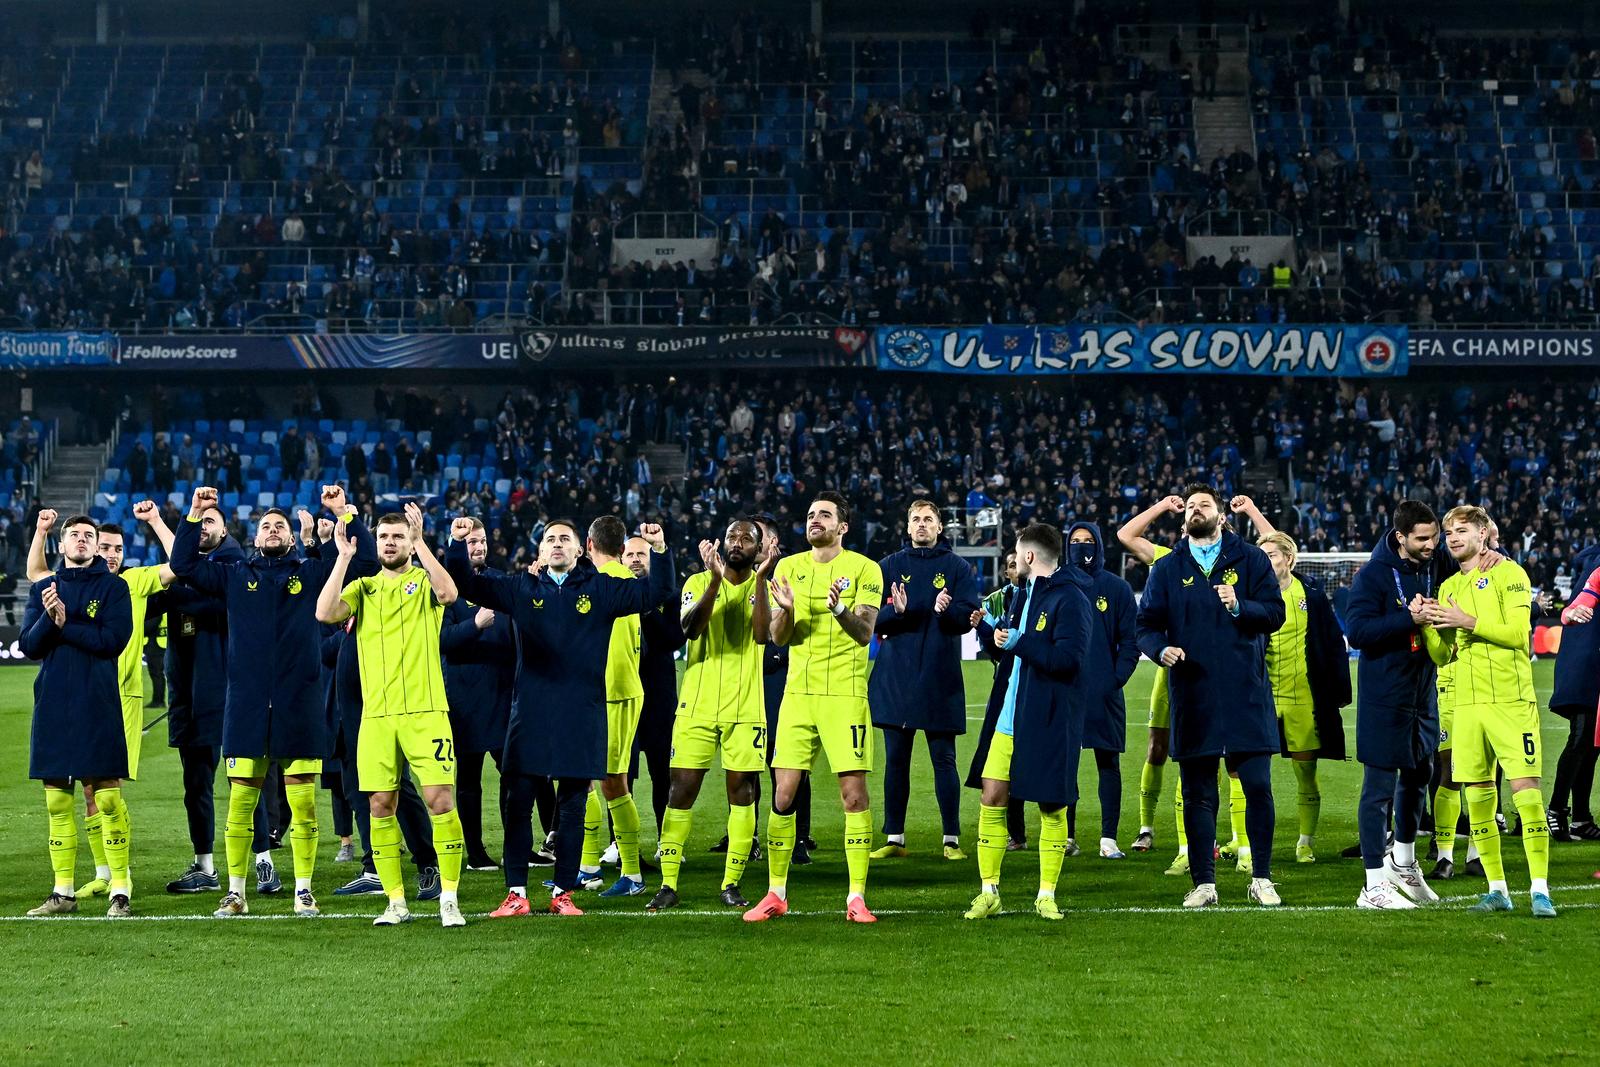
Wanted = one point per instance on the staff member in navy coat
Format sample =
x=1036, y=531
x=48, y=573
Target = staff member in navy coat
x=1397, y=710
x=563, y=616
x=662, y=635
x=480, y=671
x=1575, y=698
x=1113, y=655
x=999, y=607
x=930, y=595
x=77, y=623
x=197, y=676
x=276, y=710
x=1207, y=611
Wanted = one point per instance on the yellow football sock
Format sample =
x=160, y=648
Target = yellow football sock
x=114, y=826
x=1177, y=810
x=1446, y=814
x=857, y=848
x=1308, y=799
x=780, y=849
x=303, y=831
x=386, y=856
x=1149, y=792
x=1052, y=848
x=1535, y=831
x=1482, y=803
x=1241, y=835
x=991, y=843
x=238, y=832
x=94, y=830
x=625, y=824
x=450, y=843
x=741, y=835
x=63, y=838
x=594, y=821
x=674, y=834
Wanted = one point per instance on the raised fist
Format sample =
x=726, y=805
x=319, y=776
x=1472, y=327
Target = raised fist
x=145, y=510
x=46, y=520
x=460, y=527
x=651, y=532
x=333, y=498
x=204, y=497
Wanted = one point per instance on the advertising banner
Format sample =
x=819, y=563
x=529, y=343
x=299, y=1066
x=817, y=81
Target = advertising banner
x=1302, y=351
x=1505, y=348
x=42, y=351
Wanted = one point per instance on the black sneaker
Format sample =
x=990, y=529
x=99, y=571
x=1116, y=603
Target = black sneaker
x=542, y=858
x=802, y=855
x=483, y=862
x=1353, y=852
x=1474, y=867
x=194, y=880
x=1514, y=830
x=810, y=843
x=1445, y=869
x=756, y=855
x=732, y=898
x=1585, y=830
x=1433, y=848
x=721, y=846
x=665, y=898
x=1560, y=822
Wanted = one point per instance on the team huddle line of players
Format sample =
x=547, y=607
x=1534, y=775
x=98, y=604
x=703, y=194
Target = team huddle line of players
x=362, y=645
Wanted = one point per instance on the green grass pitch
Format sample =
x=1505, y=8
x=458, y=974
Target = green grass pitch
x=1128, y=977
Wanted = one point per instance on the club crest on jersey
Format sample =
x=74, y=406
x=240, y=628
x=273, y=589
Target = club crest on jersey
x=1101, y=603
x=844, y=583
x=1187, y=582
x=583, y=605
x=93, y=609
x=1230, y=577
x=938, y=581
x=294, y=585
x=1044, y=618
x=1303, y=604
x=1482, y=583
x=411, y=587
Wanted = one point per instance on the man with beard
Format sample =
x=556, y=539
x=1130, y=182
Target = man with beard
x=662, y=633
x=1397, y=712
x=1039, y=734
x=1481, y=618
x=825, y=604
x=999, y=607
x=480, y=671
x=197, y=676
x=77, y=622
x=726, y=616
x=1205, y=616
x=1113, y=655
x=916, y=682
x=275, y=708
x=563, y=616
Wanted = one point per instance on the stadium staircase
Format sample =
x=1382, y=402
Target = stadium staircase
x=668, y=463
x=67, y=487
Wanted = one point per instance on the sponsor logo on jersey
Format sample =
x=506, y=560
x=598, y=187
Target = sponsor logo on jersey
x=538, y=603
x=905, y=579
x=294, y=585
x=938, y=581
x=1230, y=577
x=1187, y=582
x=251, y=586
x=583, y=604
x=1101, y=603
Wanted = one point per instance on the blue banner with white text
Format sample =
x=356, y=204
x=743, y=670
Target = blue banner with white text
x=1331, y=351
x=43, y=350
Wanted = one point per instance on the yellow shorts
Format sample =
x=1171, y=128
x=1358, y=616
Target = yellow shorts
x=133, y=730
x=840, y=726
x=1446, y=720
x=422, y=738
x=1299, y=726
x=247, y=767
x=997, y=764
x=622, y=723
x=1486, y=734
x=695, y=743
x=1160, y=709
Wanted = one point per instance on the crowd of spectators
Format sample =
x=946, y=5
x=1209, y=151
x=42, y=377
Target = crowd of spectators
x=1326, y=461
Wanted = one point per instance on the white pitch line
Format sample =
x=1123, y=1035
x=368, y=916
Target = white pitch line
x=730, y=913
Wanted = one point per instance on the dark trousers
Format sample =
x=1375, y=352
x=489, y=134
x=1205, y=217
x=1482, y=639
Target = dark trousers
x=653, y=749
x=1387, y=793
x=519, y=794
x=1016, y=823
x=416, y=825
x=469, y=799
x=1575, y=767
x=571, y=796
x=897, y=744
x=333, y=781
x=199, y=764
x=1199, y=777
x=155, y=658
x=1109, y=766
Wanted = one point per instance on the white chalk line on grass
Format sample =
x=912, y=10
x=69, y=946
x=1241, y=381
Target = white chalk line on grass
x=731, y=913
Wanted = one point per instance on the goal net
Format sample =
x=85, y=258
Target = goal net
x=1335, y=570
